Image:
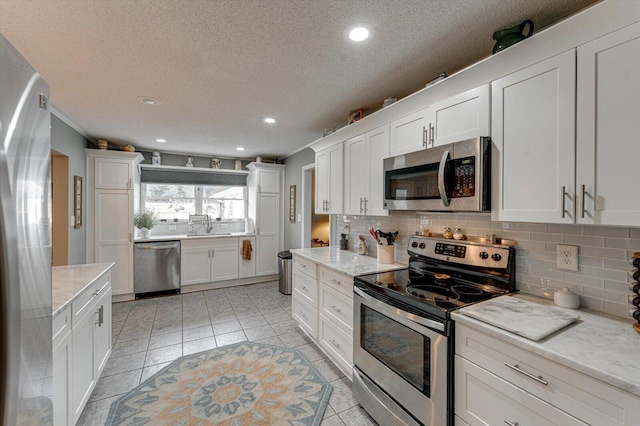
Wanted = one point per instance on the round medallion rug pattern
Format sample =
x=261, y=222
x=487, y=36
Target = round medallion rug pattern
x=237, y=385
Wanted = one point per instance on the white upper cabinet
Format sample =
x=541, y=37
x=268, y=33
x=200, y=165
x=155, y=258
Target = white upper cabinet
x=608, y=128
x=364, y=175
x=114, y=173
x=460, y=117
x=268, y=180
x=329, y=180
x=409, y=133
x=533, y=130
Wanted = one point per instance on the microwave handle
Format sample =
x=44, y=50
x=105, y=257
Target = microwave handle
x=441, y=187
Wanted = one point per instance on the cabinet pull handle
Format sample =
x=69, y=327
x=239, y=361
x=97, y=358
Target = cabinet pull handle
x=336, y=344
x=432, y=132
x=213, y=253
x=302, y=314
x=510, y=423
x=516, y=368
x=97, y=292
x=424, y=136
x=333, y=280
x=327, y=205
x=259, y=188
x=582, y=202
x=100, y=313
x=302, y=286
x=360, y=204
x=129, y=183
x=335, y=308
x=365, y=205
x=564, y=196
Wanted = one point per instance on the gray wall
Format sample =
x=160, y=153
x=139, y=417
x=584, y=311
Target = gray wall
x=68, y=142
x=293, y=176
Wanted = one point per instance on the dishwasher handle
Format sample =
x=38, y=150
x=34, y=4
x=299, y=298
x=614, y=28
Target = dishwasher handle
x=158, y=246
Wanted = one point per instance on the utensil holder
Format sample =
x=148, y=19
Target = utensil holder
x=385, y=253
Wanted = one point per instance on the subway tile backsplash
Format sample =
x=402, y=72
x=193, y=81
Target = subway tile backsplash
x=602, y=280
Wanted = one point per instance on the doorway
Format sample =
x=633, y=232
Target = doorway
x=59, y=209
x=315, y=228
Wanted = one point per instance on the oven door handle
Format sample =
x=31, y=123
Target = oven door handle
x=441, y=188
x=435, y=325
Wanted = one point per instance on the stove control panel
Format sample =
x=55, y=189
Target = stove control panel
x=463, y=252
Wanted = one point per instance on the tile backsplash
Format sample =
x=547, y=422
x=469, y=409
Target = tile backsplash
x=602, y=279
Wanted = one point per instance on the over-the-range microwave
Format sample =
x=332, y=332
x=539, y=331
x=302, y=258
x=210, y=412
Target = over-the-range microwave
x=453, y=177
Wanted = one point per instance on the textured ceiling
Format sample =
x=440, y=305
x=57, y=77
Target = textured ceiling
x=219, y=66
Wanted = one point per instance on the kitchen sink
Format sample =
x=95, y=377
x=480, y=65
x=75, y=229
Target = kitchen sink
x=212, y=234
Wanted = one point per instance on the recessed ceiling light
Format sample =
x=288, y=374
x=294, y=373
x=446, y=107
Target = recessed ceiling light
x=358, y=32
x=239, y=148
x=148, y=100
x=270, y=120
x=161, y=140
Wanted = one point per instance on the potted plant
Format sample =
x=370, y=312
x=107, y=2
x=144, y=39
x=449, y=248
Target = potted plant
x=145, y=220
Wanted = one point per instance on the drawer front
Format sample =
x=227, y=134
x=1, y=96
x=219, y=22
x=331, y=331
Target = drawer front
x=583, y=397
x=305, y=266
x=337, y=343
x=482, y=398
x=338, y=307
x=85, y=301
x=306, y=287
x=339, y=282
x=305, y=315
x=61, y=325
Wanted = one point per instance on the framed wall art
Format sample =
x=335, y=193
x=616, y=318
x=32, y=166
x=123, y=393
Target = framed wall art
x=77, y=201
x=292, y=204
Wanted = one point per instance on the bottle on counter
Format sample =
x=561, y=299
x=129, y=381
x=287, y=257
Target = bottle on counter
x=344, y=243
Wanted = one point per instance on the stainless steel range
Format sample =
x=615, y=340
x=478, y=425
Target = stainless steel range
x=403, y=333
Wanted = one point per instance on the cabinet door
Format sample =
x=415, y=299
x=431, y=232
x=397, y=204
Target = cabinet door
x=225, y=257
x=409, y=134
x=355, y=175
x=268, y=233
x=533, y=128
x=323, y=170
x=460, y=117
x=247, y=268
x=83, y=361
x=195, y=265
x=268, y=181
x=111, y=173
x=608, y=125
x=62, y=378
x=336, y=179
x=102, y=330
x=113, y=236
x=377, y=143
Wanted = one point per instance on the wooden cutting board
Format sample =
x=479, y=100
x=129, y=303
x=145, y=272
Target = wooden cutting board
x=527, y=319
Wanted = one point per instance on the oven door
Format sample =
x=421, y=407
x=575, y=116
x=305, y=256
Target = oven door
x=403, y=354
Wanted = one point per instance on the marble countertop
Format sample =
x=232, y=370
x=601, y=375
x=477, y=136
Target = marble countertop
x=158, y=238
x=346, y=262
x=599, y=345
x=68, y=282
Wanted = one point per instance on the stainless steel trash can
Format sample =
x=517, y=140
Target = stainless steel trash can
x=285, y=270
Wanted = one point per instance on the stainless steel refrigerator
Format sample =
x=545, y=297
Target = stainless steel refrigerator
x=25, y=243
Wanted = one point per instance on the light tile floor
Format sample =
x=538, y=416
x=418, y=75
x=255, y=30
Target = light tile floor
x=150, y=333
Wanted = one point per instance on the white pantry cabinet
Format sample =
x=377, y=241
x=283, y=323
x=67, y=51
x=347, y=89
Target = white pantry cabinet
x=460, y=117
x=364, y=174
x=534, y=135
x=113, y=190
x=409, y=133
x=608, y=129
x=530, y=390
x=205, y=260
x=266, y=209
x=329, y=180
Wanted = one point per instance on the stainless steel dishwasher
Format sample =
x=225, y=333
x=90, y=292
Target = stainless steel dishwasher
x=156, y=267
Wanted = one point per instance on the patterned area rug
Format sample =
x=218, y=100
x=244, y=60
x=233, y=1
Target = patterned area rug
x=237, y=385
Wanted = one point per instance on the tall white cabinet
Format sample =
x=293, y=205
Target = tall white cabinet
x=265, y=187
x=329, y=179
x=608, y=125
x=112, y=193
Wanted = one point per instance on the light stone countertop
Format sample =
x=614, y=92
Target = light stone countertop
x=346, y=262
x=599, y=345
x=159, y=238
x=68, y=282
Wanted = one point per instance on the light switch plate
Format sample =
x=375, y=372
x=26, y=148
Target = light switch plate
x=567, y=257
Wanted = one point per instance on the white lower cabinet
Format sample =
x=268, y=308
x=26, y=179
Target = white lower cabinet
x=247, y=267
x=81, y=349
x=322, y=304
x=498, y=383
x=209, y=259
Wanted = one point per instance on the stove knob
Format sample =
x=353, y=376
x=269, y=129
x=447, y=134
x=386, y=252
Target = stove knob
x=484, y=255
x=414, y=244
x=496, y=257
x=422, y=245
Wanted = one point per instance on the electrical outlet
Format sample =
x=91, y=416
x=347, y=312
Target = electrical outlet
x=172, y=227
x=567, y=257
